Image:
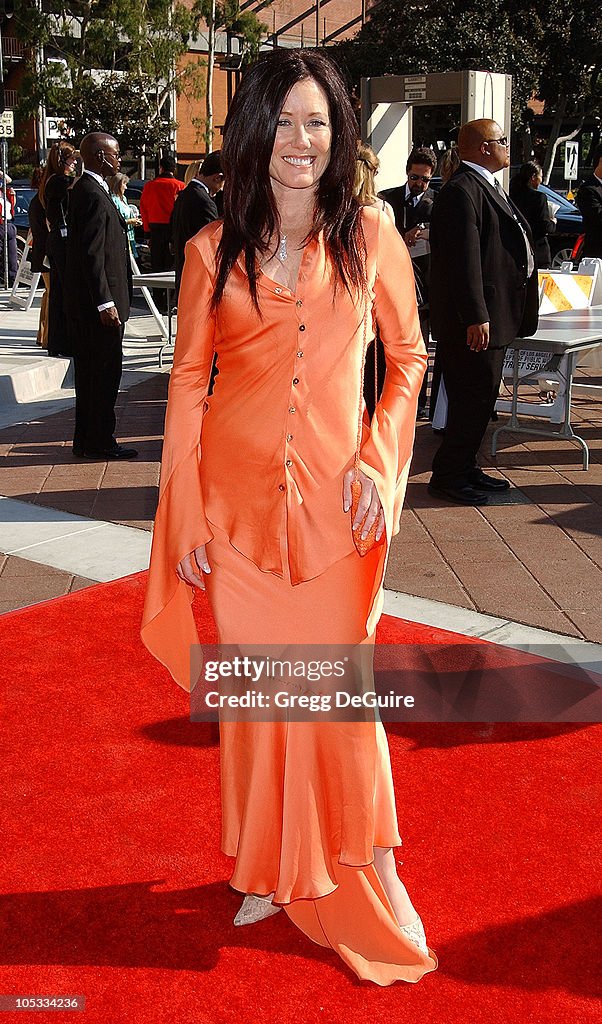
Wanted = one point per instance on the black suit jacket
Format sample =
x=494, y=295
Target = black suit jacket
x=407, y=217
x=193, y=209
x=39, y=230
x=589, y=201
x=98, y=268
x=479, y=264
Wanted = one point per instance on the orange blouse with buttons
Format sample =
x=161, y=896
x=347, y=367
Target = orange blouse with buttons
x=267, y=451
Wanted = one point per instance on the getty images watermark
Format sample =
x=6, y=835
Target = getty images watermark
x=466, y=682
x=316, y=686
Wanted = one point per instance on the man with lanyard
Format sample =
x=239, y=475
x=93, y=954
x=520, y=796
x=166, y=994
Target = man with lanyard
x=98, y=292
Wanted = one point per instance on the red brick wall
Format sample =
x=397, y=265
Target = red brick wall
x=190, y=143
x=336, y=13
x=333, y=15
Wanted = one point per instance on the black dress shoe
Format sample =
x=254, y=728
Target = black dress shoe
x=463, y=494
x=77, y=451
x=484, y=482
x=112, y=454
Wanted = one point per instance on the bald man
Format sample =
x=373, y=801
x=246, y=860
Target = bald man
x=483, y=294
x=98, y=292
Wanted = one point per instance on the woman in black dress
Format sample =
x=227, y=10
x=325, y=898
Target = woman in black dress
x=525, y=194
x=39, y=234
x=54, y=186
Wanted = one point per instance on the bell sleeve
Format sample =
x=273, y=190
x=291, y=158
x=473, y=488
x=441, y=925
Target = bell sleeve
x=387, y=445
x=168, y=628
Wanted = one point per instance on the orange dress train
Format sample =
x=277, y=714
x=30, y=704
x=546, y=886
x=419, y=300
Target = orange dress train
x=303, y=803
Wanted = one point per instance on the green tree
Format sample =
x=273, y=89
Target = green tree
x=551, y=48
x=226, y=16
x=570, y=76
x=109, y=64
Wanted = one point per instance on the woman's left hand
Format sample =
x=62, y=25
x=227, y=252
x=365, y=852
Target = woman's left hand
x=369, y=503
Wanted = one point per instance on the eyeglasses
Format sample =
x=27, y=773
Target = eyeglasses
x=420, y=177
x=504, y=141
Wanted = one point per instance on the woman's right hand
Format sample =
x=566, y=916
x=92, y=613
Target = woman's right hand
x=191, y=568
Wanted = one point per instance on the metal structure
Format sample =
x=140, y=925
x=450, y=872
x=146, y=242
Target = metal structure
x=387, y=104
x=314, y=11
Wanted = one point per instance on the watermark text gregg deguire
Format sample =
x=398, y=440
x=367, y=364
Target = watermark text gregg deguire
x=308, y=701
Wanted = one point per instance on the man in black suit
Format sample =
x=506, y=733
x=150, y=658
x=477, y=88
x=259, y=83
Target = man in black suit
x=195, y=207
x=483, y=294
x=97, y=299
x=412, y=205
x=589, y=201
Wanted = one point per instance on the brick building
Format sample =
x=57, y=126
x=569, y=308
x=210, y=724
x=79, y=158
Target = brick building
x=292, y=23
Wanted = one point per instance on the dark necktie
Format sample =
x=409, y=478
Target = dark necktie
x=498, y=188
x=504, y=198
x=408, y=205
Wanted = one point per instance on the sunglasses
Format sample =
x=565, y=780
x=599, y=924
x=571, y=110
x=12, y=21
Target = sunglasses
x=420, y=177
x=504, y=141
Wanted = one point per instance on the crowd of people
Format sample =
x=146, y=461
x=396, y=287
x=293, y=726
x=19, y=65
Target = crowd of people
x=172, y=211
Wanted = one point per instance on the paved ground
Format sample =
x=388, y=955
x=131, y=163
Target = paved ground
x=538, y=562
x=23, y=582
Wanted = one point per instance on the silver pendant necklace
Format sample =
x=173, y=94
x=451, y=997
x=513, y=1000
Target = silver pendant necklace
x=282, y=254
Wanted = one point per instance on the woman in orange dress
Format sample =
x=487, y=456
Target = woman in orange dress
x=255, y=499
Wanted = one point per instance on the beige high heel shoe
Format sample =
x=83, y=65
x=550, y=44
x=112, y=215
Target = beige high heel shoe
x=415, y=933
x=255, y=908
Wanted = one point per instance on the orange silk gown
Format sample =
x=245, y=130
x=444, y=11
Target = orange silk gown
x=255, y=472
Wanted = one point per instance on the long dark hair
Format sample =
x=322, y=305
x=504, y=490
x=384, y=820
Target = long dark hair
x=250, y=212
x=521, y=180
x=58, y=155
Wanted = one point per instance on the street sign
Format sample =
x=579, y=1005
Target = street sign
x=7, y=125
x=571, y=161
x=56, y=129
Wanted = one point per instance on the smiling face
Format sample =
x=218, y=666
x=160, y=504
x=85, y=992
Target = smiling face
x=301, y=150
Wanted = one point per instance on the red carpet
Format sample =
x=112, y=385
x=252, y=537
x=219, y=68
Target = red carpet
x=114, y=888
